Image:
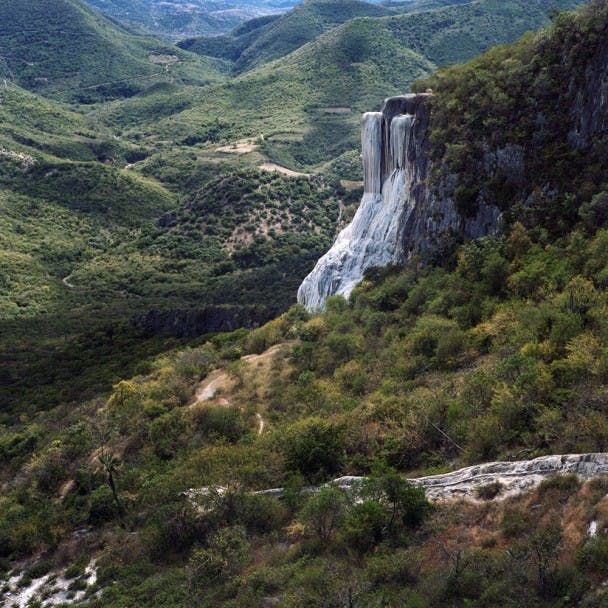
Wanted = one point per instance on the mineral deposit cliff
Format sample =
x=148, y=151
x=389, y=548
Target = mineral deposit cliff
x=402, y=212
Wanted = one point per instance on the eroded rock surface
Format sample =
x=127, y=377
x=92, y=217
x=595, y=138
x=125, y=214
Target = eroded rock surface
x=401, y=213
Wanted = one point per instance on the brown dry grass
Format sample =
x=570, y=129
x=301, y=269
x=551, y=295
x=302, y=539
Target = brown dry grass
x=463, y=525
x=350, y=185
x=284, y=170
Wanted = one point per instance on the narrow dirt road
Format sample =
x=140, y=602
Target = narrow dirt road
x=212, y=383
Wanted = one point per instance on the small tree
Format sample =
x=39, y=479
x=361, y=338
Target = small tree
x=538, y=553
x=324, y=512
x=364, y=526
x=227, y=553
x=405, y=502
x=314, y=447
x=110, y=464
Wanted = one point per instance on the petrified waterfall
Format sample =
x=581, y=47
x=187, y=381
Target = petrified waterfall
x=376, y=236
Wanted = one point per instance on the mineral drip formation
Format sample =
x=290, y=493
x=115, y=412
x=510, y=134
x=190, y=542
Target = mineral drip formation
x=377, y=234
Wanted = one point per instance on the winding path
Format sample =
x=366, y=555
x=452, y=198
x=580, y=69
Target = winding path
x=220, y=380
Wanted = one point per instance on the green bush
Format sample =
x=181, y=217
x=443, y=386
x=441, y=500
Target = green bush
x=593, y=555
x=364, y=526
x=314, y=448
x=227, y=553
x=102, y=506
x=489, y=491
x=324, y=512
x=219, y=422
x=165, y=432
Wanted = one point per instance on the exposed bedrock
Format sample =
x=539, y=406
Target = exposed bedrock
x=513, y=478
x=401, y=213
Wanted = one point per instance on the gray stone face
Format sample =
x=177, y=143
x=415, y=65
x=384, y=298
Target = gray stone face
x=589, y=91
x=402, y=214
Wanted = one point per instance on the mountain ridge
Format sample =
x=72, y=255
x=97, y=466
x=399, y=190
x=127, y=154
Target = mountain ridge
x=65, y=49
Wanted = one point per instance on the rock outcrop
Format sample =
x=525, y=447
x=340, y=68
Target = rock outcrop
x=512, y=478
x=588, y=90
x=402, y=214
x=200, y=321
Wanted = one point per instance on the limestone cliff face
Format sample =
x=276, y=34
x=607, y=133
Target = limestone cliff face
x=402, y=213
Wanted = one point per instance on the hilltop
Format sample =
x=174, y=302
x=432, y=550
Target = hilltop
x=249, y=47
x=178, y=20
x=63, y=49
x=442, y=32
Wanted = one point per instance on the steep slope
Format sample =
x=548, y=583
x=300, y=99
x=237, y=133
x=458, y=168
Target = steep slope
x=62, y=48
x=414, y=206
x=494, y=356
x=231, y=45
x=456, y=33
x=287, y=33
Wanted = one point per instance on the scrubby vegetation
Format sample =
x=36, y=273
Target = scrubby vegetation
x=421, y=369
x=109, y=449
x=67, y=51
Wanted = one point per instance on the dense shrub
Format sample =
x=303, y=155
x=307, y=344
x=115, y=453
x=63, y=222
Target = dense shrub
x=314, y=448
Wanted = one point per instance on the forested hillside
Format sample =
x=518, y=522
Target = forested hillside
x=249, y=48
x=174, y=21
x=499, y=350
x=67, y=51
x=306, y=104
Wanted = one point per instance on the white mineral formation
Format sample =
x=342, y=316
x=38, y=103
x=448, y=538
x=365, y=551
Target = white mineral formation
x=513, y=478
x=52, y=589
x=375, y=237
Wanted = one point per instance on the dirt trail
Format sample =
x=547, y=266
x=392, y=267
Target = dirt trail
x=261, y=423
x=212, y=383
x=283, y=170
x=219, y=383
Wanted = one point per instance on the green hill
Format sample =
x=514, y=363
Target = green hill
x=63, y=49
x=250, y=48
x=229, y=46
x=173, y=21
x=56, y=155
x=458, y=32
x=497, y=352
x=88, y=244
x=306, y=105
